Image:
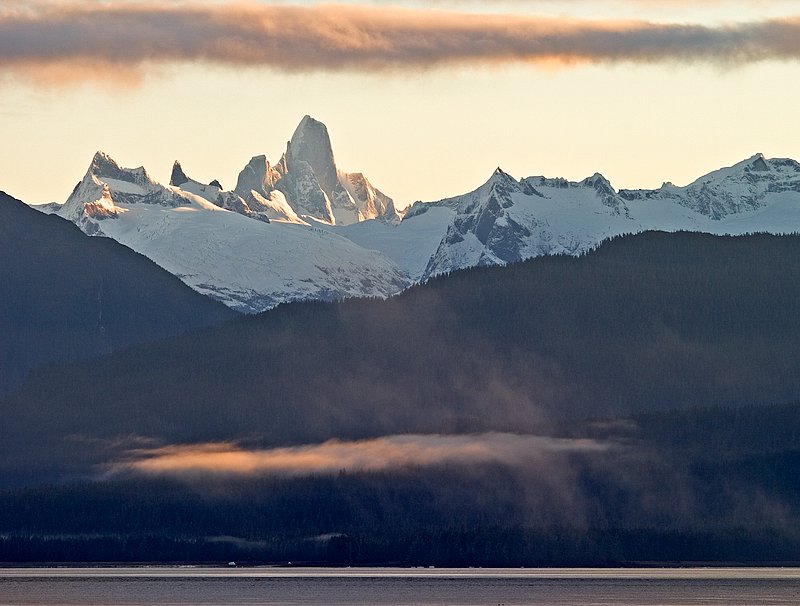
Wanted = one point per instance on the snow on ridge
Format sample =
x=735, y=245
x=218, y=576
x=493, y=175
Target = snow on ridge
x=248, y=264
x=210, y=239
x=505, y=220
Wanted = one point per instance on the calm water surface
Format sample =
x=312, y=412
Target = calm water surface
x=395, y=587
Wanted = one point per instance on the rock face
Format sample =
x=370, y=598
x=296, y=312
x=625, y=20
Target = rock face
x=213, y=193
x=371, y=202
x=311, y=180
x=257, y=176
x=312, y=185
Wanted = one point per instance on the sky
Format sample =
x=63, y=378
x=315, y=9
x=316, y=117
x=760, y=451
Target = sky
x=424, y=98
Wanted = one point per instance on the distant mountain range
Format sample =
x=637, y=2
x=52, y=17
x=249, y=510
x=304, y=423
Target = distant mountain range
x=304, y=229
x=506, y=220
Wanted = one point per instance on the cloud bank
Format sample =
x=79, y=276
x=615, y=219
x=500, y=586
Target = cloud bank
x=121, y=39
x=389, y=452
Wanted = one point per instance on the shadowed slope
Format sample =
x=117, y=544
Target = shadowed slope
x=650, y=322
x=66, y=296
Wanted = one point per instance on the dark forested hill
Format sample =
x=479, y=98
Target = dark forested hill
x=645, y=323
x=608, y=409
x=65, y=296
x=691, y=486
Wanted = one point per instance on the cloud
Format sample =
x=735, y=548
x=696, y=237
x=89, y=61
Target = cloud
x=390, y=452
x=123, y=40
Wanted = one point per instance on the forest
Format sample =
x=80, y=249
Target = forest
x=674, y=354
x=692, y=486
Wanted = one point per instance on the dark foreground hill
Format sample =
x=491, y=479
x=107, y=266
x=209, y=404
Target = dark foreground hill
x=65, y=296
x=645, y=323
x=608, y=409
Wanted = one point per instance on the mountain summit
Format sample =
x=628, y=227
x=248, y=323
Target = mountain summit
x=311, y=178
x=307, y=180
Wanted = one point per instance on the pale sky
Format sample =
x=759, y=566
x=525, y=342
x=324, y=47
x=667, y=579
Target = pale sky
x=425, y=102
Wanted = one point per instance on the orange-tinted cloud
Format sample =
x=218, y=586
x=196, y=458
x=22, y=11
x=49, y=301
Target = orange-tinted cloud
x=128, y=36
x=388, y=452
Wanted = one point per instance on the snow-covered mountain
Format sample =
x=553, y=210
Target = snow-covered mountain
x=314, y=186
x=506, y=220
x=302, y=228
x=272, y=208
x=305, y=185
x=198, y=233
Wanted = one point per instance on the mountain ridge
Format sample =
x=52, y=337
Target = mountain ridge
x=372, y=251
x=507, y=220
x=208, y=238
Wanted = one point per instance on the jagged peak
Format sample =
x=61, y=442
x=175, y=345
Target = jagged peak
x=102, y=160
x=310, y=133
x=215, y=183
x=500, y=181
x=758, y=162
x=178, y=177
x=104, y=166
x=755, y=163
x=258, y=175
x=499, y=175
x=309, y=123
x=598, y=181
x=593, y=179
x=259, y=160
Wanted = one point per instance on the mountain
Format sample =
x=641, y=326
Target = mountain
x=746, y=187
x=209, y=239
x=331, y=234
x=68, y=297
x=312, y=185
x=304, y=185
x=212, y=192
x=610, y=408
x=505, y=220
x=647, y=322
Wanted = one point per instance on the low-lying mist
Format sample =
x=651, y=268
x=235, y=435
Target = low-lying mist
x=385, y=453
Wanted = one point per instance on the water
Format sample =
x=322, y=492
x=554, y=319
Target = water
x=162, y=586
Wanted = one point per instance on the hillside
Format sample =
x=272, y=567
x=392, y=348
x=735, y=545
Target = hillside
x=67, y=297
x=645, y=323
